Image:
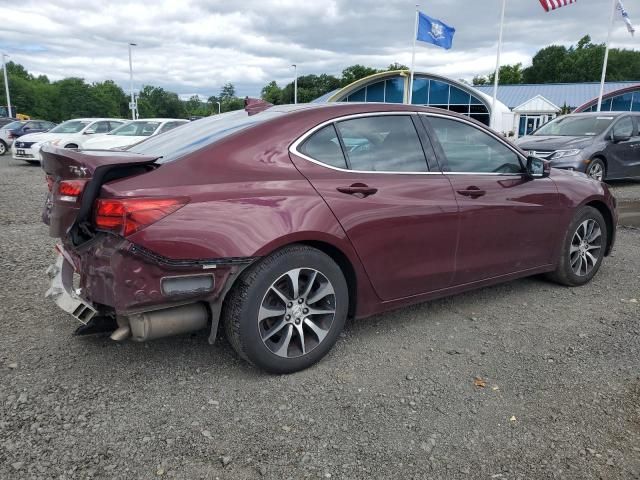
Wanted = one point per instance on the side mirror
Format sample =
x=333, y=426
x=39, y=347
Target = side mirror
x=537, y=167
x=26, y=129
x=617, y=138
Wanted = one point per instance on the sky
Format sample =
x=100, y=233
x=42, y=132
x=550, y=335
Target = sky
x=196, y=46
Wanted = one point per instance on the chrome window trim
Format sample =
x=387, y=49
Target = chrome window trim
x=294, y=146
x=490, y=133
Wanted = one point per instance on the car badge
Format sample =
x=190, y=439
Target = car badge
x=79, y=171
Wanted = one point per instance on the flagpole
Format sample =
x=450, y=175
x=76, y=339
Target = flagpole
x=606, y=54
x=496, y=75
x=413, y=56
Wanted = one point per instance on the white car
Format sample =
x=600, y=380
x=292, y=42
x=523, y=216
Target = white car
x=133, y=132
x=70, y=134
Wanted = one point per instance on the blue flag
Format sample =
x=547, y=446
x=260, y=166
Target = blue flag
x=434, y=31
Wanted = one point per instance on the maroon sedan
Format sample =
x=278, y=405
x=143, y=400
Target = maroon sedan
x=282, y=224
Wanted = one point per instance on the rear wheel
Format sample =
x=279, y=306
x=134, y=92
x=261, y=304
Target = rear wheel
x=287, y=311
x=597, y=169
x=583, y=248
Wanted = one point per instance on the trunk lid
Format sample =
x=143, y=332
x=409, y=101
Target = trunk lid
x=75, y=178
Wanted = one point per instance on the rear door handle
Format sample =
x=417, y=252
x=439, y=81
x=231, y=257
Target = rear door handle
x=358, y=189
x=473, y=192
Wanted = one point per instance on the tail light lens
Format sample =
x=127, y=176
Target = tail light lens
x=70, y=190
x=127, y=216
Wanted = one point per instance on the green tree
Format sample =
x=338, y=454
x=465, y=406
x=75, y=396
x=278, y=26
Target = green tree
x=479, y=80
x=227, y=91
x=397, y=66
x=354, y=73
x=109, y=100
x=271, y=93
x=157, y=102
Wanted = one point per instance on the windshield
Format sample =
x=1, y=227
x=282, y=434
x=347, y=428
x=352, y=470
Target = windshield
x=587, y=126
x=136, y=129
x=13, y=125
x=71, y=126
x=196, y=135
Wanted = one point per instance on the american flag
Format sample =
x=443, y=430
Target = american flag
x=553, y=4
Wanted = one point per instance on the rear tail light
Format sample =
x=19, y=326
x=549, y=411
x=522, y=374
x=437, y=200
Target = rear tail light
x=12, y=135
x=70, y=190
x=127, y=216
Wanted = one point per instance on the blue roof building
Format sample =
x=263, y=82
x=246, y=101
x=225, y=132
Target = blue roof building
x=519, y=109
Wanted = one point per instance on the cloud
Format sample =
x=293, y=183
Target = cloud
x=195, y=46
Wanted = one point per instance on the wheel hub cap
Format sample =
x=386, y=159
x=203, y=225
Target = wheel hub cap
x=586, y=247
x=297, y=312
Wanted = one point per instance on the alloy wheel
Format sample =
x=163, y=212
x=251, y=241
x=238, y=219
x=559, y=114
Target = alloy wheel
x=3, y=148
x=297, y=312
x=596, y=171
x=586, y=247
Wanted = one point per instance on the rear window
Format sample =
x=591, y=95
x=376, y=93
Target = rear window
x=13, y=125
x=193, y=136
x=71, y=126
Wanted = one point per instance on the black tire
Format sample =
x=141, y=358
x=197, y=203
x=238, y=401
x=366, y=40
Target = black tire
x=597, y=169
x=564, y=273
x=244, y=301
x=3, y=148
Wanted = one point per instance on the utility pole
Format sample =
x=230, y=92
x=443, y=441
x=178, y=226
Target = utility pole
x=132, y=105
x=606, y=54
x=6, y=83
x=295, y=83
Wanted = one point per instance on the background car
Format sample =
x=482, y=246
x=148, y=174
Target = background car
x=6, y=120
x=69, y=134
x=273, y=225
x=13, y=130
x=604, y=145
x=133, y=132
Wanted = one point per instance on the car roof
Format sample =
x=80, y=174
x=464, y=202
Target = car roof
x=159, y=120
x=599, y=114
x=94, y=119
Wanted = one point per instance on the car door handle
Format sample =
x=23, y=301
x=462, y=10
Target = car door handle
x=473, y=192
x=358, y=189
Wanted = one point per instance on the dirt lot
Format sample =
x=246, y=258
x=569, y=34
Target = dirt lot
x=560, y=370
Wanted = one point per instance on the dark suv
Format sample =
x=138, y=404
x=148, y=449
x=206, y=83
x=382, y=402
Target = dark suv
x=604, y=145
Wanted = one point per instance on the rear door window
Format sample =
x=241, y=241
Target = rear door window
x=385, y=143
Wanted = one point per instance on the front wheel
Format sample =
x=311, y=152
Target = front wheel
x=287, y=311
x=583, y=248
x=597, y=169
x=3, y=148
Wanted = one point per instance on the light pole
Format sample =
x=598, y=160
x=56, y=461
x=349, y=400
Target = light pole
x=295, y=83
x=132, y=105
x=219, y=107
x=6, y=83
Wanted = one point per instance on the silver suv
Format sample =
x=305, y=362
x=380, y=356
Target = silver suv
x=604, y=145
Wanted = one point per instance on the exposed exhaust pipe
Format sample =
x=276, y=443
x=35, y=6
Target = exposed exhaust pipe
x=162, y=323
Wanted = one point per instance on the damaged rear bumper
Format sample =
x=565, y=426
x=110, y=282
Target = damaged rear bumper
x=63, y=294
x=127, y=282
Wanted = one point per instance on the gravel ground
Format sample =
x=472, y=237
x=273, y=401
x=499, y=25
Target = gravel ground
x=527, y=380
x=626, y=190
